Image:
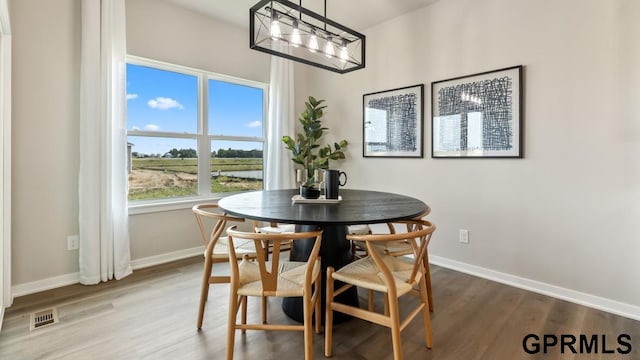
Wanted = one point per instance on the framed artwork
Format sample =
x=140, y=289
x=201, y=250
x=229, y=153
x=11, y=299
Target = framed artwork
x=478, y=116
x=392, y=122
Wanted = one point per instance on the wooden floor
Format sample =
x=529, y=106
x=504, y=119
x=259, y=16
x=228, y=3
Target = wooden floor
x=152, y=315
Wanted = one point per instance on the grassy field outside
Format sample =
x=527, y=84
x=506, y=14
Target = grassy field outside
x=156, y=178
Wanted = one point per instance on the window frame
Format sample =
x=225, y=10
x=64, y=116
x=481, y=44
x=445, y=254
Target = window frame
x=202, y=138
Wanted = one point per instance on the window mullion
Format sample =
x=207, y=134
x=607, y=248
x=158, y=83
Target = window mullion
x=204, y=143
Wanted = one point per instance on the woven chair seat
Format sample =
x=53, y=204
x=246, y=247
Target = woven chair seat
x=290, y=278
x=364, y=273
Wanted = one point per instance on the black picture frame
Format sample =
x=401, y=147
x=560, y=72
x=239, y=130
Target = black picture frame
x=393, y=123
x=478, y=115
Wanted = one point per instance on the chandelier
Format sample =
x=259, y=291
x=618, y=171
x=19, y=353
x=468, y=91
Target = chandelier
x=286, y=29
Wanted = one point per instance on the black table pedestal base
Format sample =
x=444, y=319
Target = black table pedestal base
x=335, y=251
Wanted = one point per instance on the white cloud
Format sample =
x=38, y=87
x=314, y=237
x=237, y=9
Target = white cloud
x=132, y=96
x=135, y=128
x=254, y=124
x=163, y=103
x=152, y=127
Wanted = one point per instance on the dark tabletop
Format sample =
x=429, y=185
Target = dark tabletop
x=356, y=207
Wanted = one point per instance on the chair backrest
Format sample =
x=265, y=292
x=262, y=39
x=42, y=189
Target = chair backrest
x=265, y=241
x=391, y=226
x=418, y=235
x=217, y=222
x=419, y=217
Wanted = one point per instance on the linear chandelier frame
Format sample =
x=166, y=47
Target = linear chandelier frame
x=283, y=28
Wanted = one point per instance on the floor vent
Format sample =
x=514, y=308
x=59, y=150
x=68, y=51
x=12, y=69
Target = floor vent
x=43, y=318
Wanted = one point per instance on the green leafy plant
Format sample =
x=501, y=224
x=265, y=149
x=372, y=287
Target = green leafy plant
x=306, y=150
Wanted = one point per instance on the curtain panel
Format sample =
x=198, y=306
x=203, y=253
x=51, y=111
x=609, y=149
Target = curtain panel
x=6, y=297
x=104, y=230
x=279, y=167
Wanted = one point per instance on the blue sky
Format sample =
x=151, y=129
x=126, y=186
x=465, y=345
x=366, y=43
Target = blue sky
x=164, y=101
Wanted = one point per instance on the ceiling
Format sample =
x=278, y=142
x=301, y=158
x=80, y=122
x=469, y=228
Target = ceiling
x=354, y=14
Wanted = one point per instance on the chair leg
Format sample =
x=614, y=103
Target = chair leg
x=427, y=274
x=204, y=289
x=370, y=300
x=425, y=313
x=386, y=304
x=244, y=313
x=318, y=307
x=394, y=313
x=307, y=310
x=264, y=309
x=328, y=322
x=429, y=292
x=231, y=322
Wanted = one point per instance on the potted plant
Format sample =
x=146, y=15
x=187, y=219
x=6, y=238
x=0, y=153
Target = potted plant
x=306, y=150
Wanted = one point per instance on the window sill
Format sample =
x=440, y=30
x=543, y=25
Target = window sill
x=146, y=207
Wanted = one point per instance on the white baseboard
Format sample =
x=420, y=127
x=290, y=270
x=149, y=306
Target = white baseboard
x=74, y=278
x=168, y=257
x=596, y=302
x=44, y=284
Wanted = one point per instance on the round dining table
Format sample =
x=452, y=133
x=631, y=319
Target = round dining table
x=354, y=207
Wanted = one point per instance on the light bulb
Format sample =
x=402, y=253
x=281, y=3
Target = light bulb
x=313, y=42
x=296, y=40
x=344, y=54
x=328, y=49
x=275, y=26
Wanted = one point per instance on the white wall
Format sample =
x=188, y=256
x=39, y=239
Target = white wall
x=46, y=68
x=164, y=32
x=565, y=215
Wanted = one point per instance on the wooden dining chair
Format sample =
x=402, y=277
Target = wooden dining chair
x=390, y=275
x=211, y=224
x=274, y=278
x=396, y=248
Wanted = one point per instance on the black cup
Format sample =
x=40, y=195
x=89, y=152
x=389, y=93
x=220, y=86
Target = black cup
x=332, y=183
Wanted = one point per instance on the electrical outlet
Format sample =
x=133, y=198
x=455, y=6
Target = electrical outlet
x=73, y=242
x=464, y=236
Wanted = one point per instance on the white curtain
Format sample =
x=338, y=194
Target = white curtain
x=279, y=168
x=5, y=159
x=104, y=228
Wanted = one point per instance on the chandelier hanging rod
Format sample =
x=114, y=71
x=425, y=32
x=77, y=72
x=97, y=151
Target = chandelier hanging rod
x=324, y=20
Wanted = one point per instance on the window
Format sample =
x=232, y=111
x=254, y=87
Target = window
x=181, y=145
